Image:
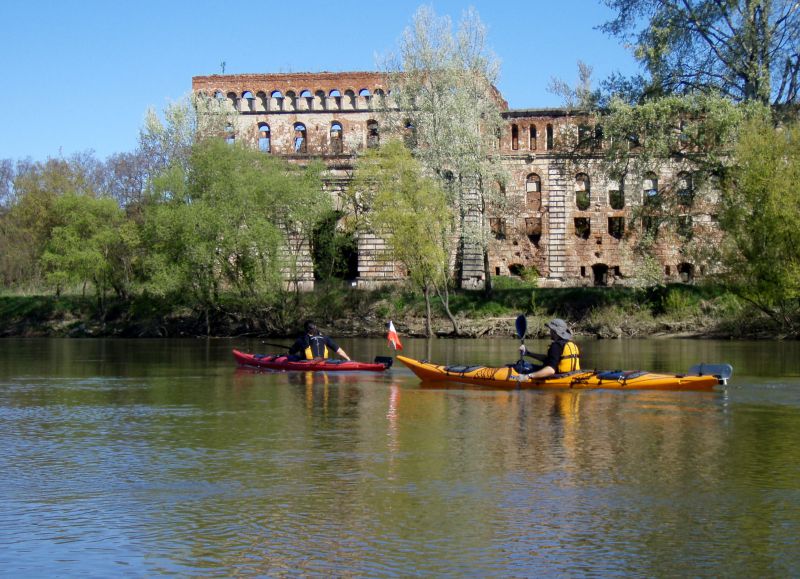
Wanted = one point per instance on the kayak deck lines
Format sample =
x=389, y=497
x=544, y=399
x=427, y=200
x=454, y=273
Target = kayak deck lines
x=286, y=363
x=700, y=377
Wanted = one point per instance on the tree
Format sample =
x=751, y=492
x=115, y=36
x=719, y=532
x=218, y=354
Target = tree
x=761, y=213
x=413, y=213
x=446, y=102
x=748, y=50
x=93, y=243
x=223, y=223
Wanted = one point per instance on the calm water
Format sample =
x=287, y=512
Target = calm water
x=141, y=458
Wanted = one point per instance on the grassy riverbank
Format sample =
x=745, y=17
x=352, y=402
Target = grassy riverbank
x=703, y=311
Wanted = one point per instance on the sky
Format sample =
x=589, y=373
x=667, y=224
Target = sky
x=79, y=75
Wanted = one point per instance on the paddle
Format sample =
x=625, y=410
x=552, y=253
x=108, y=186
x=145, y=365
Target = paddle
x=282, y=346
x=522, y=328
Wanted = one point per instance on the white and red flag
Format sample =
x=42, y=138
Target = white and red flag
x=394, y=339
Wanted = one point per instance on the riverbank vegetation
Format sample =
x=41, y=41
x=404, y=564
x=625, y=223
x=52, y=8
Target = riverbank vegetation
x=676, y=310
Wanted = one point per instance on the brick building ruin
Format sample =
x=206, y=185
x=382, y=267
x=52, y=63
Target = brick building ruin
x=571, y=225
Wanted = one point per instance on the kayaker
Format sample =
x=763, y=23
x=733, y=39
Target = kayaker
x=562, y=355
x=312, y=344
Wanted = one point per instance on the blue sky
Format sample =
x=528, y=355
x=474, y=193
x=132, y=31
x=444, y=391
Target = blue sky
x=79, y=75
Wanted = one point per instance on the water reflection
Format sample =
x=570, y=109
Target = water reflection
x=148, y=458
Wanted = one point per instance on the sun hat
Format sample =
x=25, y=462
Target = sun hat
x=559, y=326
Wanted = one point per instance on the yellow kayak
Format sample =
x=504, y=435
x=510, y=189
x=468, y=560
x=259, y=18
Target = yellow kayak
x=700, y=377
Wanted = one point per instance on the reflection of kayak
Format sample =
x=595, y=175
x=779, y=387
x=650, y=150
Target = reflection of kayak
x=283, y=362
x=702, y=377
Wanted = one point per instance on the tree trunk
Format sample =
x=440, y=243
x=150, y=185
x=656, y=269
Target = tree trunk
x=487, y=274
x=444, y=296
x=428, y=330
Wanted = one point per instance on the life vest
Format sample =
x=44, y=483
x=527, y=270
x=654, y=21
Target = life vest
x=316, y=347
x=570, y=358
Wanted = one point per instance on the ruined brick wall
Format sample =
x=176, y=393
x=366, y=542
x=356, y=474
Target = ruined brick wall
x=564, y=217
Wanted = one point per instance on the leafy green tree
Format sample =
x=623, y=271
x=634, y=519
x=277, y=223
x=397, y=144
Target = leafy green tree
x=225, y=222
x=92, y=243
x=446, y=102
x=761, y=214
x=29, y=214
x=747, y=50
x=415, y=213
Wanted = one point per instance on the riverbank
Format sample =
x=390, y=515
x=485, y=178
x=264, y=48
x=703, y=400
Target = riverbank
x=667, y=311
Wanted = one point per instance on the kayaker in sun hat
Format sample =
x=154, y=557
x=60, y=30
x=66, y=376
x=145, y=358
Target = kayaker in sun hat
x=562, y=355
x=313, y=345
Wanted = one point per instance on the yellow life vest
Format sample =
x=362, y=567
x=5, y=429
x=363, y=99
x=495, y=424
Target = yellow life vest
x=316, y=347
x=570, y=358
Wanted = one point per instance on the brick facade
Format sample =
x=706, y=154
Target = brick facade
x=566, y=218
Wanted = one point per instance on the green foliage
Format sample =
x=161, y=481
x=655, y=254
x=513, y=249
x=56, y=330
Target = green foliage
x=413, y=209
x=236, y=218
x=761, y=214
x=743, y=49
x=333, y=249
x=92, y=242
x=443, y=83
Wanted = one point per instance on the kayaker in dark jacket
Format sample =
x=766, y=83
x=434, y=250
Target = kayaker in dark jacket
x=562, y=355
x=312, y=344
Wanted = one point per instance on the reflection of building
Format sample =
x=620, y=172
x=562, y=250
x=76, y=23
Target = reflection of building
x=567, y=219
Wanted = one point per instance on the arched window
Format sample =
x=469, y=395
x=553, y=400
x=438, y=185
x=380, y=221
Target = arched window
x=300, y=140
x=533, y=192
x=305, y=100
x=264, y=138
x=532, y=138
x=684, y=189
x=276, y=101
x=290, y=102
x=349, y=103
x=616, y=193
x=248, y=102
x=336, y=138
x=319, y=101
x=373, y=134
x=650, y=189
x=230, y=135
x=231, y=101
x=364, y=98
x=600, y=274
x=686, y=272
x=410, y=134
x=582, y=191
x=380, y=97
x=549, y=143
x=262, y=101
x=514, y=137
x=334, y=100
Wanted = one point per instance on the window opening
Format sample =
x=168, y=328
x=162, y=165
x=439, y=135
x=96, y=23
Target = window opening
x=532, y=138
x=582, y=227
x=616, y=227
x=264, y=140
x=336, y=139
x=373, y=135
x=498, y=227
x=549, y=137
x=533, y=229
x=299, y=143
x=582, y=191
x=600, y=274
x=514, y=138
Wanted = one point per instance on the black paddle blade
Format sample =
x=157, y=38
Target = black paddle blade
x=522, y=326
x=385, y=360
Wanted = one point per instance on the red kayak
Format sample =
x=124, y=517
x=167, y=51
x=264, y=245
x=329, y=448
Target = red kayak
x=283, y=362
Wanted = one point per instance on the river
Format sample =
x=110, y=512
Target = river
x=160, y=457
